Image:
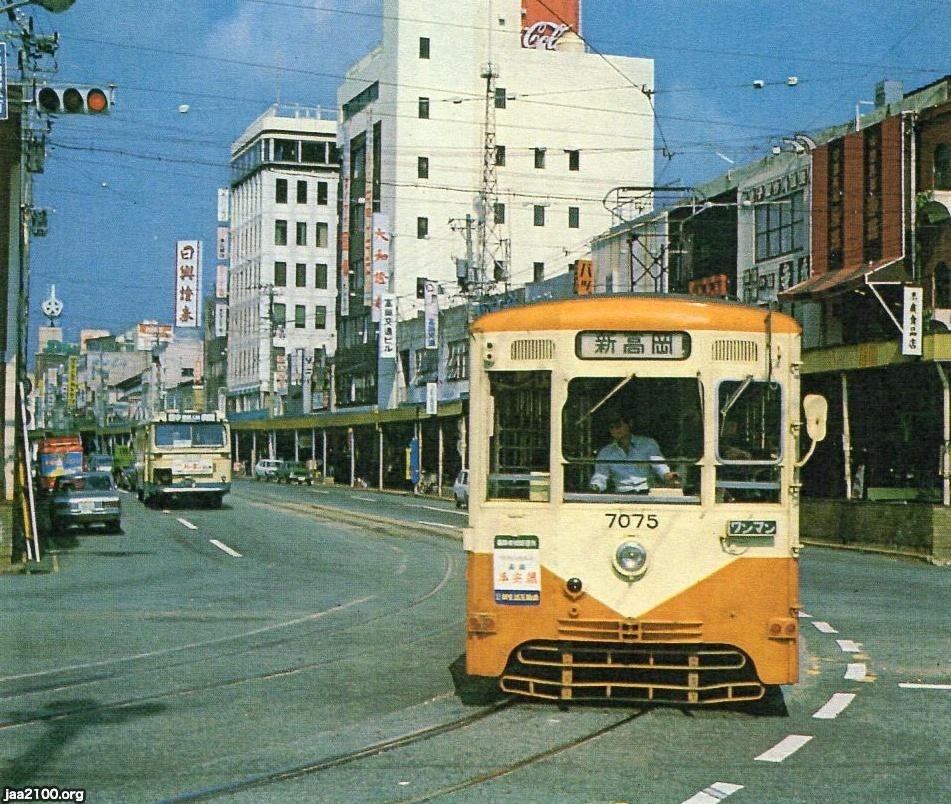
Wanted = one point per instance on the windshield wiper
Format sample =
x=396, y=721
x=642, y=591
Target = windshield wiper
x=607, y=396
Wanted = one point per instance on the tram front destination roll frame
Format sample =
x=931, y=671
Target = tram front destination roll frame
x=634, y=499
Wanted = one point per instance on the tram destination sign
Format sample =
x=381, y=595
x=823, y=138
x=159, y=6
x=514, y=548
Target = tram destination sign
x=600, y=345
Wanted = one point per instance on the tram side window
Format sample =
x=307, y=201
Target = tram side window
x=519, y=447
x=749, y=441
x=637, y=437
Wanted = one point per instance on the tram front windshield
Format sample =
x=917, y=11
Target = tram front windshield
x=637, y=437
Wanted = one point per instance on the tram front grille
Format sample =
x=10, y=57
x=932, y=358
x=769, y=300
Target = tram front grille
x=677, y=674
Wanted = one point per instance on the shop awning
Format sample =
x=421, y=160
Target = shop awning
x=845, y=279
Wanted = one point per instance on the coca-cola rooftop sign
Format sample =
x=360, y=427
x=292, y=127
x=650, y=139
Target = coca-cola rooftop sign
x=544, y=35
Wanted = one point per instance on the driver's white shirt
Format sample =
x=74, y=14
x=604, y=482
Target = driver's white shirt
x=629, y=469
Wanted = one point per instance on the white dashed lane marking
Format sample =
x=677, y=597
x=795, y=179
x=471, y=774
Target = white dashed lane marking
x=910, y=685
x=784, y=748
x=834, y=706
x=223, y=546
x=824, y=627
x=856, y=672
x=715, y=792
x=188, y=524
x=848, y=646
x=436, y=524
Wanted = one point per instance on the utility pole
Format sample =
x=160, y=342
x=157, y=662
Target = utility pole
x=488, y=194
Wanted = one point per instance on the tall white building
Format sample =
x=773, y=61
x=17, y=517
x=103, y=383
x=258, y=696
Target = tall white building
x=568, y=126
x=282, y=274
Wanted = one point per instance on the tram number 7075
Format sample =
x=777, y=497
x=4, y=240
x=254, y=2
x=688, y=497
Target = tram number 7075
x=649, y=521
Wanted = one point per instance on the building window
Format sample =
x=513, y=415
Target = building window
x=300, y=275
x=872, y=212
x=457, y=360
x=942, y=167
x=835, y=198
x=314, y=153
x=422, y=228
x=285, y=150
x=322, y=193
x=301, y=192
x=422, y=167
x=322, y=235
x=320, y=317
x=780, y=226
x=300, y=316
x=499, y=212
x=500, y=97
x=538, y=271
x=320, y=276
x=423, y=112
x=540, y=158
x=280, y=274
x=280, y=191
x=425, y=366
x=280, y=233
x=278, y=314
x=574, y=217
x=574, y=160
x=539, y=212
x=424, y=47
x=499, y=155
x=301, y=233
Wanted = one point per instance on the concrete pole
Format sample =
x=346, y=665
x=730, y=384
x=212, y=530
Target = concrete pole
x=439, y=470
x=846, y=438
x=945, y=460
x=313, y=444
x=379, y=432
x=324, y=470
x=353, y=458
x=296, y=445
x=254, y=448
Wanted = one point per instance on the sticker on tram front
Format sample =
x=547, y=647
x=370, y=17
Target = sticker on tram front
x=517, y=576
x=751, y=527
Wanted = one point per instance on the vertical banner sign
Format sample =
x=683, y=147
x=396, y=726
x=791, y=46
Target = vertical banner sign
x=584, y=277
x=72, y=368
x=515, y=566
x=431, y=316
x=4, y=98
x=222, y=243
x=414, y=460
x=381, y=263
x=280, y=374
x=221, y=320
x=911, y=321
x=297, y=368
x=387, y=347
x=368, y=217
x=345, y=229
x=432, y=398
x=224, y=211
x=307, y=381
x=221, y=282
x=187, y=283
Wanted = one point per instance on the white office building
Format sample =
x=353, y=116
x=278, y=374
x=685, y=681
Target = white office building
x=569, y=125
x=283, y=246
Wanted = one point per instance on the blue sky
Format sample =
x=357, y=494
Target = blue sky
x=122, y=189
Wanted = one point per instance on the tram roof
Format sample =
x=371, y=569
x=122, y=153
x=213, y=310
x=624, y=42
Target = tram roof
x=642, y=311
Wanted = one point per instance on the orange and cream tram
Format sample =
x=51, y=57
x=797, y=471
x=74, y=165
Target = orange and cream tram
x=633, y=485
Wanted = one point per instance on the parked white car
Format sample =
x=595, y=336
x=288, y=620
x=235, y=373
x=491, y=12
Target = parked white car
x=460, y=489
x=266, y=468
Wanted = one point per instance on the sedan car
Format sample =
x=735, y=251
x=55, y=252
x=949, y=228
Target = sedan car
x=460, y=489
x=293, y=472
x=266, y=468
x=87, y=498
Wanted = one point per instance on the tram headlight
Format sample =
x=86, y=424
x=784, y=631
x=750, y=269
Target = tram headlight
x=630, y=559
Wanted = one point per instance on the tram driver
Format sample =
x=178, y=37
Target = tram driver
x=630, y=464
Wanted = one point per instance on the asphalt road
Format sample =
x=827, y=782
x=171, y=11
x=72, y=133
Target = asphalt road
x=277, y=651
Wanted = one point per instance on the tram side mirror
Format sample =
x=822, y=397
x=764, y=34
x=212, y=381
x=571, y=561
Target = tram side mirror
x=817, y=411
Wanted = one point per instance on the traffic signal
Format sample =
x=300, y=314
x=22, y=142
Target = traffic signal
x=73, y=100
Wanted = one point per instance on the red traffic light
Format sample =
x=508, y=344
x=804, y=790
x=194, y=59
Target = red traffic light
x=73, y=100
